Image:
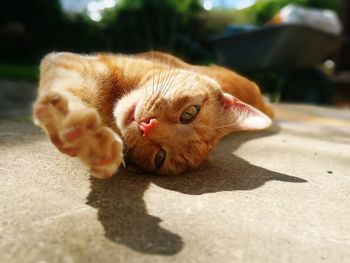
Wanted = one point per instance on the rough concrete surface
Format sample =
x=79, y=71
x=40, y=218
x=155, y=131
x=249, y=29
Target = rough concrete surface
x=281, y=195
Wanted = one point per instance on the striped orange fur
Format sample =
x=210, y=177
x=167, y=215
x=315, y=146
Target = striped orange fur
x=93, y=106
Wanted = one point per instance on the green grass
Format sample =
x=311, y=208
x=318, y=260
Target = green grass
x=19, y=72
x=21, y=119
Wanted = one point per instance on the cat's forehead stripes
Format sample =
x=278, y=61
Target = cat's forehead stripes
x=122, y=90
x=186, y=145
x=180, y=103
x=169, y=83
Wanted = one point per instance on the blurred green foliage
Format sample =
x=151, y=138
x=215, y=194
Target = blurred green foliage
x=21, y=72
x=37, y=15
x=31, y=28
x=35, y=27
x=140, y=25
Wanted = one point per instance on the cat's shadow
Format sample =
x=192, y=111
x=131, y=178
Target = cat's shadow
x=123, y=213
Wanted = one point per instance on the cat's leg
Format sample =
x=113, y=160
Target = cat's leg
x=76, y=129
x=79, y=132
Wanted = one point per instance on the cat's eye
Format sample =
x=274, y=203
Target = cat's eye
x=160, y=158
x=189, y=113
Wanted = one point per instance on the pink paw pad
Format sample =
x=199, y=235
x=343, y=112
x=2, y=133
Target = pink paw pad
x=74, y=133
x=72, y=151
x=40, y=110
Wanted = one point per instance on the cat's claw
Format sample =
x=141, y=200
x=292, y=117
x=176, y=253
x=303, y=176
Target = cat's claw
x=80, y=133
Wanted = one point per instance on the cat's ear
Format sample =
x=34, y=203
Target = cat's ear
x=241, y=116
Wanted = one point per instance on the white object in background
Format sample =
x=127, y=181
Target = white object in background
x=323, y=19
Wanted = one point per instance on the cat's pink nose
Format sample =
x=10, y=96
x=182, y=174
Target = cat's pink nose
x=146, y=126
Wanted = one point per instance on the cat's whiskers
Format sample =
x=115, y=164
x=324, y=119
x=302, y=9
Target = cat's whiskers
x=157, y=85
x=168, y=76
x=153, y=72
x=175, y=71
x=165, y=80
x=168, y=81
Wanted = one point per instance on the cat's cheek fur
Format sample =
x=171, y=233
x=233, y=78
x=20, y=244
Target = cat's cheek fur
x=124, y=109
x=243, y=117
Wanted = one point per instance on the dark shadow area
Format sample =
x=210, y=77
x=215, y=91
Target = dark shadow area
x=122, y=210
x=217, y=175
x=123, y=214
x=224, y=171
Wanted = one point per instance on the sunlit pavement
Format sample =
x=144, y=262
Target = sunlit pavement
x=280, y=195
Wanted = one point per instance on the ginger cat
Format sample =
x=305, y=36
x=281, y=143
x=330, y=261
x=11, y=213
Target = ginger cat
x=156, y=111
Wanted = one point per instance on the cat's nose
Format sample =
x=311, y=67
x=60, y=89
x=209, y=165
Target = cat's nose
x=146, y=126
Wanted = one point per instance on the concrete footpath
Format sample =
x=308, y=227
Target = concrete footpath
x=281, y=195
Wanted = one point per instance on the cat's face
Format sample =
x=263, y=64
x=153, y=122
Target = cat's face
x=170, y=124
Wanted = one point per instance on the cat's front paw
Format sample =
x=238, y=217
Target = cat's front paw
x=81, y=133
x=99, y=146
x=49, y=112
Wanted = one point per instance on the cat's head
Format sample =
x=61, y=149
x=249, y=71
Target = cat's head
x=172, y=121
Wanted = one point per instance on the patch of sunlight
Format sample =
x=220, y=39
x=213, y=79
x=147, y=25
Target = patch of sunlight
x=96, y=8
x=227, y=4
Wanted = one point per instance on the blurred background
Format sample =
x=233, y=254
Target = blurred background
x=296, y=50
